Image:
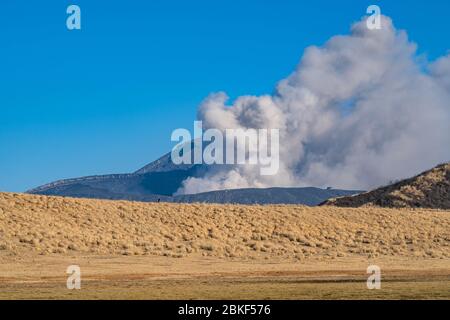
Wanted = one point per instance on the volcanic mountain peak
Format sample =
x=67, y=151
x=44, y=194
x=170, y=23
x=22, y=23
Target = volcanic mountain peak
x=163, y=164
x=430, y=189
x=160, y=179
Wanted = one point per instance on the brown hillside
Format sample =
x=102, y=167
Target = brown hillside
x=430, y=189
x=65, y=226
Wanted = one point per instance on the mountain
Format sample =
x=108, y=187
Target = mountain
x=307, y=196
x=160, y=177
x=430, y=189
x=159, y=180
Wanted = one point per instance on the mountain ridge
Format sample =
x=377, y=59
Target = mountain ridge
x=161, y=179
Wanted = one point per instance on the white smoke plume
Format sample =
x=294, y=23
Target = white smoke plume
x=358, y=112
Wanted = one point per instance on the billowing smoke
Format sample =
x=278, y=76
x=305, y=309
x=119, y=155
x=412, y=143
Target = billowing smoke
x=357, y=113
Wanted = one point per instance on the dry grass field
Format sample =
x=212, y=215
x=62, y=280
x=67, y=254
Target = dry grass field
x=138, y=250
x=151, y=277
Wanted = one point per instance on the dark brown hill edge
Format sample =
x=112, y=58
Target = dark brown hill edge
x=430, y=189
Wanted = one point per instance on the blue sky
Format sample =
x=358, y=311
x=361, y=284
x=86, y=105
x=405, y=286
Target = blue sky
x=105, y=99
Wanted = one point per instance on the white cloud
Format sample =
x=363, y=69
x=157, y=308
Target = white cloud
x=396, y=124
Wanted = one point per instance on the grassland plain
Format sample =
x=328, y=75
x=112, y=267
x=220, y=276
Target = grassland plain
x=160, y=250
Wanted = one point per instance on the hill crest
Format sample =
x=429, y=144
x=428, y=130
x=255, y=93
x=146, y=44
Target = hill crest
x=430, y=189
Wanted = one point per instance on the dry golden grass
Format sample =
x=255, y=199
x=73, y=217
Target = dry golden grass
x=65, y=226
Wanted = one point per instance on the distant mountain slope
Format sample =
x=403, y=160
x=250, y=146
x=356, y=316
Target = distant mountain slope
x=119, y=186
x=307, y=196
x=159, y=180
x=430, y=189
x=160, y=177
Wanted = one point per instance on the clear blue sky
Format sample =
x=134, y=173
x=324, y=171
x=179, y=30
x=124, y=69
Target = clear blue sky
x=106, y=99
